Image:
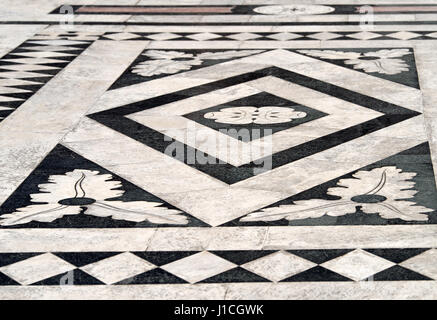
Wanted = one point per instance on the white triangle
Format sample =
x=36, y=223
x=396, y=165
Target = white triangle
x=27, y=67
x=57, y=42
x=51, y=48
x=8, y=99
x=17, y=82
x=432, y=35
x=42, y=54
x=22, y=74
x=34, y=60
x=5, y=90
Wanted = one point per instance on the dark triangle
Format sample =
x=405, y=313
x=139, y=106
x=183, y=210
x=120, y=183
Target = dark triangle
x=416, y=159
x=397, y=273
x=6, y=281
x=318, y=274
x=163, y=257
x=155, y=276
x=242, y=256
x=80, y=259
x=396, y=255
x=62, y=160
x=129, y=78
x=78, y=277
x=320, y=256
x=10, y=258
x=237, y=274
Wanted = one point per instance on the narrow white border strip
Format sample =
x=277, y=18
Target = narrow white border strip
x=221, y=238
x=411, y=290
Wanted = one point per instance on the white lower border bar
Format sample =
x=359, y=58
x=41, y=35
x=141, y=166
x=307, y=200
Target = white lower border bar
x=219, y=238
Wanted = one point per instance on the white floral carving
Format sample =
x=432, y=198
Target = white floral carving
x=382, y=61
x=381, y=190
x=294, y=9
x=262, y=115
x=169, y=62
x=77, y=190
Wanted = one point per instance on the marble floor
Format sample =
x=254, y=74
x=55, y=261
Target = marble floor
x=218, y=149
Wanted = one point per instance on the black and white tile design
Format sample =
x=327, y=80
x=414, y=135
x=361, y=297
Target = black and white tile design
x=24, y=70
x=374, y=115
x=81, y=194
x=270, y=36
x=176, y=267
x=235, y=151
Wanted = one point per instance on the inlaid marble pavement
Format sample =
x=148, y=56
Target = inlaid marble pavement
x=238, y=149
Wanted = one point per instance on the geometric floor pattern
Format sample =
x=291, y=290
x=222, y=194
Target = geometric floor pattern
x=241, y=150
x=161, y=267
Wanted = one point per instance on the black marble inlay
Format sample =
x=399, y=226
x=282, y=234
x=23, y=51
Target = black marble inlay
x=10, y=258
x=128, y=77
x=6, y=281
x=416, y=160
x=116, y=119
x=345, y=9
x=80, y=259
x=320, y=256
x=396, y=255
x=38, y=81
x=406, y=77
x=76, y=276
x=317, y=273
x=237, y=274
x=160, y=258
x=242, y=256
x=255, y=131
x=62, y=160
x=154, y=276
x=397, y=273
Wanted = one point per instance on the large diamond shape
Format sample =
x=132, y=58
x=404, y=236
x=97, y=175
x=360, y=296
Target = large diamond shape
x=350, y=115
x=278, y=266
x=358, y=265
x=37, y=268
x=169, y=118
x=198, y=267
x=393, y=103
x=117, y=268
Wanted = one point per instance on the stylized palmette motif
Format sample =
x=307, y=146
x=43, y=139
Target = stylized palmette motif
x=383, y=61
x=169, y=62
x=381, y=190
x=262, y=115
x=71, y=193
